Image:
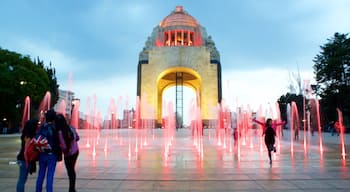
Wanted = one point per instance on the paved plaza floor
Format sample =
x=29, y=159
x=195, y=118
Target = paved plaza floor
x=110, y=161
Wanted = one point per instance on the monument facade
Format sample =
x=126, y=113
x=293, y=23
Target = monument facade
x=179, y=53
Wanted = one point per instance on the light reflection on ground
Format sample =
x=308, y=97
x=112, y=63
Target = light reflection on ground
x=111, y=152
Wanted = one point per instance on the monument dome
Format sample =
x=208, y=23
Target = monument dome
x=179, y=18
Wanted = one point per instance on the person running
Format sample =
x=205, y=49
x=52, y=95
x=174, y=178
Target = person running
x=28, y=133
x=270, y=135
x=274, y=124
x=69, y=144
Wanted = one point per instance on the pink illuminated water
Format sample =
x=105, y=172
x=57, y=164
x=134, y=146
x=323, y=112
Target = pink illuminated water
x=294, y=125
x=278, y=128
x=101, y=143
x=341, y=134
x=319, y=126
x=26, y=111
x=44, y=106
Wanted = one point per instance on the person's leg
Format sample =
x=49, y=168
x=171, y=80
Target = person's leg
x=270, y=156
x=50, y=172
x=22, y=178
x=268, y=146
x=70, y=166
x=41, y=173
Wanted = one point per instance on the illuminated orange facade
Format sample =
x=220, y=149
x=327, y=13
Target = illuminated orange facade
x=178, y=53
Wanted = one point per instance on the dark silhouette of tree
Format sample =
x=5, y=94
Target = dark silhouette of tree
x=21, y=77
x=332, y=70
x=286, y=100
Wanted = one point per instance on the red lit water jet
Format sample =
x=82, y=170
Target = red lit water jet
x=44, y=106
x=278, y=128
x=319, y=126
x=341, y=134
x=26, y=111
x=294, y=125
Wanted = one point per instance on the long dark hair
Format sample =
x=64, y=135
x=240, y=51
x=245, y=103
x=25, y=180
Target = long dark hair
x=61, y=124
x=30, y=128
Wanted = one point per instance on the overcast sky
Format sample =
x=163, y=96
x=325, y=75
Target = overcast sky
x=98, y=42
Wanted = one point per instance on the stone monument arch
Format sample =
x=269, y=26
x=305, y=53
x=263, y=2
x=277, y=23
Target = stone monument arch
x=179, y=53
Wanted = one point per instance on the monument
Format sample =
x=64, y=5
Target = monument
x=179, y=53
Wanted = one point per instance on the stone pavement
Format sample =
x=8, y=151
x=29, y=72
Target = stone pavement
x=111, y=164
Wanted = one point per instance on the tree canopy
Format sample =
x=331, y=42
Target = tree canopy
x=20, y=77
x=332, y=70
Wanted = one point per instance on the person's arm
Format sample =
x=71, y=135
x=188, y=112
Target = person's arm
x=77, y=135
x=279, y=123
x=259, y=122
x=26, y=139
x=77, y=138
x=62, y=142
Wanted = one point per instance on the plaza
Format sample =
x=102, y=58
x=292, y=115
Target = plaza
x=109, y=162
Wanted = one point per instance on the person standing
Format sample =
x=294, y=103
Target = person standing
x=49, y=154
x=270, y=135
x=69, y=138
x=28, y=133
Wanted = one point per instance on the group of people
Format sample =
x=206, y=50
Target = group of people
x=62, y=138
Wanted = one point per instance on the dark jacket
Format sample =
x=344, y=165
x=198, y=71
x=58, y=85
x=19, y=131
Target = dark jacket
x=270, y=135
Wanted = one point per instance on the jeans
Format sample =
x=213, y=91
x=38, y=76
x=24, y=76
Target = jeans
x=47, y=166
x=70, y=161
x=23, y=175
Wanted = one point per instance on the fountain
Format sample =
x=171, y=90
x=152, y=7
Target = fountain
x=294, y=126
x=26, y=111
x=137, y=132
x=341, y=133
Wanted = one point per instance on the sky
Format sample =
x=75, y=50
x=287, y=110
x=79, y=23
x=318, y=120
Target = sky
x=94, y=45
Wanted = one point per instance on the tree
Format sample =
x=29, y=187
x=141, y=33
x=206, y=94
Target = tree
x=286, y=99
x=21, y=77
x=332, y=70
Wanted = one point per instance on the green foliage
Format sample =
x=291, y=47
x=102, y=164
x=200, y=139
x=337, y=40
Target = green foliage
x=332, y=70
x=21, y=77
x=288, y=98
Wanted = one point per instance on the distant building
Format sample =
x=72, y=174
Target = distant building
x=65, y=102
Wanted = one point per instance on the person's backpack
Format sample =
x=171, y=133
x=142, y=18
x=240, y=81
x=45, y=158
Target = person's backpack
x=30, y=152
x=46, y=141
x=41, y=143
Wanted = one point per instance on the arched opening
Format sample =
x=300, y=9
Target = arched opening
x=189, y=100
x=184, y=81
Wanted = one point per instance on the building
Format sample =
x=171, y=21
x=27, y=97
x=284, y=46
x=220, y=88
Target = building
x=65, y=102
x=179, y=53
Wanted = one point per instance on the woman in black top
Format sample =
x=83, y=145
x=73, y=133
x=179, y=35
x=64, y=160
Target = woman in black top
x=269, y=138
x=28, y=133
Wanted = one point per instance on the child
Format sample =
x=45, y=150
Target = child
x=270, y=134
